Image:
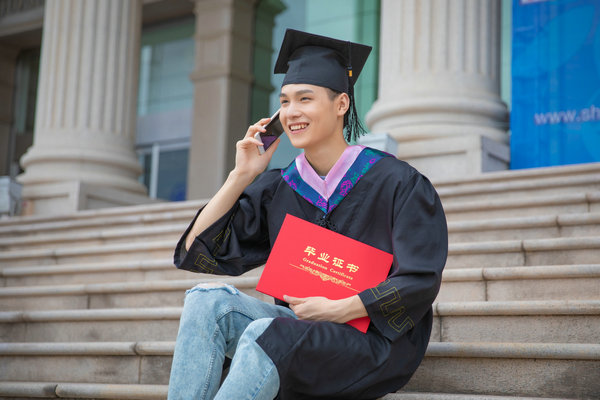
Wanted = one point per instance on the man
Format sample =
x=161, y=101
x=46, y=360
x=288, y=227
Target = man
x=306, y=351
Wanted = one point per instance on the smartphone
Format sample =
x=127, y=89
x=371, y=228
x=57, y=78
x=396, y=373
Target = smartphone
x=273, y=130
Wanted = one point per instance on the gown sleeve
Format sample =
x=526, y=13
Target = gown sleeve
x=420, y=247
x=239, y=240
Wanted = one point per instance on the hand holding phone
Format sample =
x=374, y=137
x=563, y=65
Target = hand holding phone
x=273, y=130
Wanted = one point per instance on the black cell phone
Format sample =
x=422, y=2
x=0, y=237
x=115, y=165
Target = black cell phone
x=273, y=130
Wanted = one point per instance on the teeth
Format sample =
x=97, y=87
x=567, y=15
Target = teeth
x=298, y=126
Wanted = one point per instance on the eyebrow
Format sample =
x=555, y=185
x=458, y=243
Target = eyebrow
x=298, y=93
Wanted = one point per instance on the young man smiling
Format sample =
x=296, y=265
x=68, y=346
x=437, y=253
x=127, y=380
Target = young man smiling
x=302, y=349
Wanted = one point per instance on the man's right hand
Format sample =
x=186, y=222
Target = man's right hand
x=248, y=161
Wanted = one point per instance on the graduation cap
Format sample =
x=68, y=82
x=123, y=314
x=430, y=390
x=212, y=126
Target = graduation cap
x=327, y=62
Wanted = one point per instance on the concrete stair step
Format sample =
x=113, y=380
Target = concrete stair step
x=535, y=204
x=548, y=282
x=104, y=362
x=565, y=179
x=554, y=370
x=454, y=396
x=112, y=295
x=159, y=392
x=94, y=237
x=564, y=321
x=106, y=325
x=156, y=249
x=63, y=390
x=525, y=227
x=102, y=272
x=575, y=282
x=554, y=251
x=542, y=226
x=131, y=214
x=515, y=321
x=494, y=253
x=504, y=369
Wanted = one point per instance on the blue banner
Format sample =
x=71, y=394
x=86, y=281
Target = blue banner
x=555, y=117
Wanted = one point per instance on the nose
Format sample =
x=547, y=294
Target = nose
x=292, y=110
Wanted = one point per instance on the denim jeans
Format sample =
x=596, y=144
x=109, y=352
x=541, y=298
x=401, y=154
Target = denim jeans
x=219, y=322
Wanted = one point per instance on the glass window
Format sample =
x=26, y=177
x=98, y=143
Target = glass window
x=165, y=102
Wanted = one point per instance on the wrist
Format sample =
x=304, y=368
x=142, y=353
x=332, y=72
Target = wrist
x=239, y=177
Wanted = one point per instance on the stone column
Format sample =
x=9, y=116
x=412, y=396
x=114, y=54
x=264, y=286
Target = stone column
x=83, y=153
x=439, y=85
x=222, y=87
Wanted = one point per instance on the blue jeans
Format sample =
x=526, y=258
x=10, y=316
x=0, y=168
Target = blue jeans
x=219, y=322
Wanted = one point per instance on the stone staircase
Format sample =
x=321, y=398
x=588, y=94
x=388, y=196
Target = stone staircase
x=90, y=302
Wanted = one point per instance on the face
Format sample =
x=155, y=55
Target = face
x=310, y=116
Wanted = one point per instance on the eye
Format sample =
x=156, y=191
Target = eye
x=305, y=98
x=283, y=102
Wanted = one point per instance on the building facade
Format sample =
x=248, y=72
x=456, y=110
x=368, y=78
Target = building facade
x=109, y=102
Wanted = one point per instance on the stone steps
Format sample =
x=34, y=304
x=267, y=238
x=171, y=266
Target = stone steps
x=110, y=295
x=104, y=362
x=555, y=321
x=547, y=282
x=554, y=370
x=566, y=321
x=468, y=254
x=102, y=272
x=63, y=390
x=524, y=227
x=94, y=237
x=565, y=179
x=509, y=369
x=553, y=251
x=462, y=396
x=159, y=392
x=560, y=282
x=535, y=204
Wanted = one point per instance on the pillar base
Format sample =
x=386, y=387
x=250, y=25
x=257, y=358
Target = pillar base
x=456, y=156
x=69, y=197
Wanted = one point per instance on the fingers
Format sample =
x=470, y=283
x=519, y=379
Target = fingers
x=257, y=127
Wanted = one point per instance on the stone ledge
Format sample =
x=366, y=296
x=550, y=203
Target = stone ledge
x=192, y=205
x=130, y=287
x=109, y=266
x=554, y=351
x=517, y=185
x=512, y=308
x=522, y=272
x=109, y=221
x=167, y=245
x=109, y=314
x=83, y=390
x=452, y=396
x=520, y=174
x=512, y=203
x=98, y=235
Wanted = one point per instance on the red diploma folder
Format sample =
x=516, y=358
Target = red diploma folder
x=308, y=260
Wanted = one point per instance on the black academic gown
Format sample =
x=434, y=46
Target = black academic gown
x=391, y=207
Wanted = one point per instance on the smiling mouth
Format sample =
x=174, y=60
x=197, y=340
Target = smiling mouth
x=297, y=127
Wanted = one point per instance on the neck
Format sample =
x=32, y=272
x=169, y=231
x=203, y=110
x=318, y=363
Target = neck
x=323, y=158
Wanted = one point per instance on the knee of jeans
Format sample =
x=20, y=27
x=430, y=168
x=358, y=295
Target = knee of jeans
x=201, y=300
x=256, y=328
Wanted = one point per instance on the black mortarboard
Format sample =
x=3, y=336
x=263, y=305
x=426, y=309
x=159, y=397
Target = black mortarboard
x=323, y=61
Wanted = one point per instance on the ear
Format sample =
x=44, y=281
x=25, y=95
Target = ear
x=342, y=104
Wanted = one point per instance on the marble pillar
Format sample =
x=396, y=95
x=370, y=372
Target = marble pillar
x=439, y=85
x=222, y=80
x=83, y=153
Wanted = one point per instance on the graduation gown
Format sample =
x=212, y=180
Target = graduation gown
x=380, y=201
